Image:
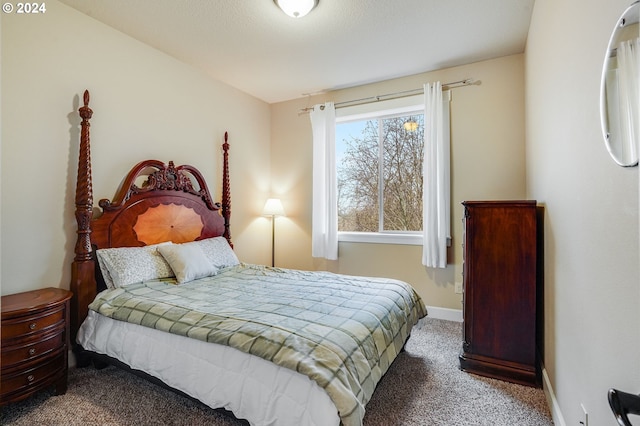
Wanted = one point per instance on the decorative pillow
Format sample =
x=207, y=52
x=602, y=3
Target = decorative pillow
x=127, y=265
x=218, y=251
x=187, y=261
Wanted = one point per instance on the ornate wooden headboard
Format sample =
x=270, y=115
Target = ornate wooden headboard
x=172, y=203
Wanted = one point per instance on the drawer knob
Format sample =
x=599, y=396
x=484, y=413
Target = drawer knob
x=32, y=351
x=32, y=326
x=30, y=378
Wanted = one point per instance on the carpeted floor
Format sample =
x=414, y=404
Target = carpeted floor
x=424, y=386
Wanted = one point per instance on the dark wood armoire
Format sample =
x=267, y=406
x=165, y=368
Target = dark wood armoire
x=502, y=277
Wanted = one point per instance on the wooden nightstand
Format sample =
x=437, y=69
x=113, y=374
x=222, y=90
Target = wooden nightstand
x=35, y=343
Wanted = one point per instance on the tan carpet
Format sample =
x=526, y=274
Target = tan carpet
x=424, y=386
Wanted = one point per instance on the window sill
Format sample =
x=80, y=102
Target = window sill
x=380, y=238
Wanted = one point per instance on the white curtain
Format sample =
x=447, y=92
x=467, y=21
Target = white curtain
x=324, y=228
x=629, y=95
x=436, y=174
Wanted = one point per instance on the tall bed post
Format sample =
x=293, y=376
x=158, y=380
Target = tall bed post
x=226, y=189
x=83, y=267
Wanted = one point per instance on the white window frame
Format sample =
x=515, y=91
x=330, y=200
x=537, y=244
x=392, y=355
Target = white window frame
x=406, y=105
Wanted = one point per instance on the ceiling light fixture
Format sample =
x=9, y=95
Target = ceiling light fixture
x=410, y=125
x=296, y=8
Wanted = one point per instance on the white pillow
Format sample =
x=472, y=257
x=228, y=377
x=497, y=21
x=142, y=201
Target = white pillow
x=218, y=251
x=187, y=261
x=127, y=265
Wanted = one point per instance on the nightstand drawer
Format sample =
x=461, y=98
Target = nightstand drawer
x=24, y=380
x=12, y=355
x=32, y=324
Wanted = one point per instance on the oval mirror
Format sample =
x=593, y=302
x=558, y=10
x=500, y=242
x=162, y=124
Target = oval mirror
x=620, y=91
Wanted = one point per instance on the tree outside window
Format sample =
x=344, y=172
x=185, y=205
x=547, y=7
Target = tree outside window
x=379, y=173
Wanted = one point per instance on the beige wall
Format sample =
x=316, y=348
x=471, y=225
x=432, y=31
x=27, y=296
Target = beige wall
x=488, y=162
x=592, y=258
x=146, y=105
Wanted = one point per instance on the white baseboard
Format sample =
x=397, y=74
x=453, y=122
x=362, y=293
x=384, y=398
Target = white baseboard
x=445, y=313
x=556, y=414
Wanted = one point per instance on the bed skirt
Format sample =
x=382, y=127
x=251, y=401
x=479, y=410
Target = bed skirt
x=219, y=376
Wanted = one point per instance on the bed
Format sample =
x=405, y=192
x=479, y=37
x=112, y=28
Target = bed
x=159, y=290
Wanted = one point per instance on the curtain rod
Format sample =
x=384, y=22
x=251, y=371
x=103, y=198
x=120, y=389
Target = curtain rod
x=396, y=95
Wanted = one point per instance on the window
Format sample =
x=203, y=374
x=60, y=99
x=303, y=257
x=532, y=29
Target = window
x=379, y=158
x=371, y=137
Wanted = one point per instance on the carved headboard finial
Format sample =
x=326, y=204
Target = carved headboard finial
x=85, y=111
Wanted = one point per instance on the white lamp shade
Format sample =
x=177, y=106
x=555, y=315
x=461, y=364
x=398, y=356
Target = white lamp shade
x=273, y=207
x=296, y=8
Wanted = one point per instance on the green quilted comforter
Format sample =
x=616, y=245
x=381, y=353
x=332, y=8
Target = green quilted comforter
x=341, y=331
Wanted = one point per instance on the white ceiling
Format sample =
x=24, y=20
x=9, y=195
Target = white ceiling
x=253, y=46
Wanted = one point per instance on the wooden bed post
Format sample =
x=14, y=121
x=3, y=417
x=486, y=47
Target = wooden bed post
x=83, y=267
x=226, y=189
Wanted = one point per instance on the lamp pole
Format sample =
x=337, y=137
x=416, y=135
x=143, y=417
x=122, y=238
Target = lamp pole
x=273, y=207
x=273, y=240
